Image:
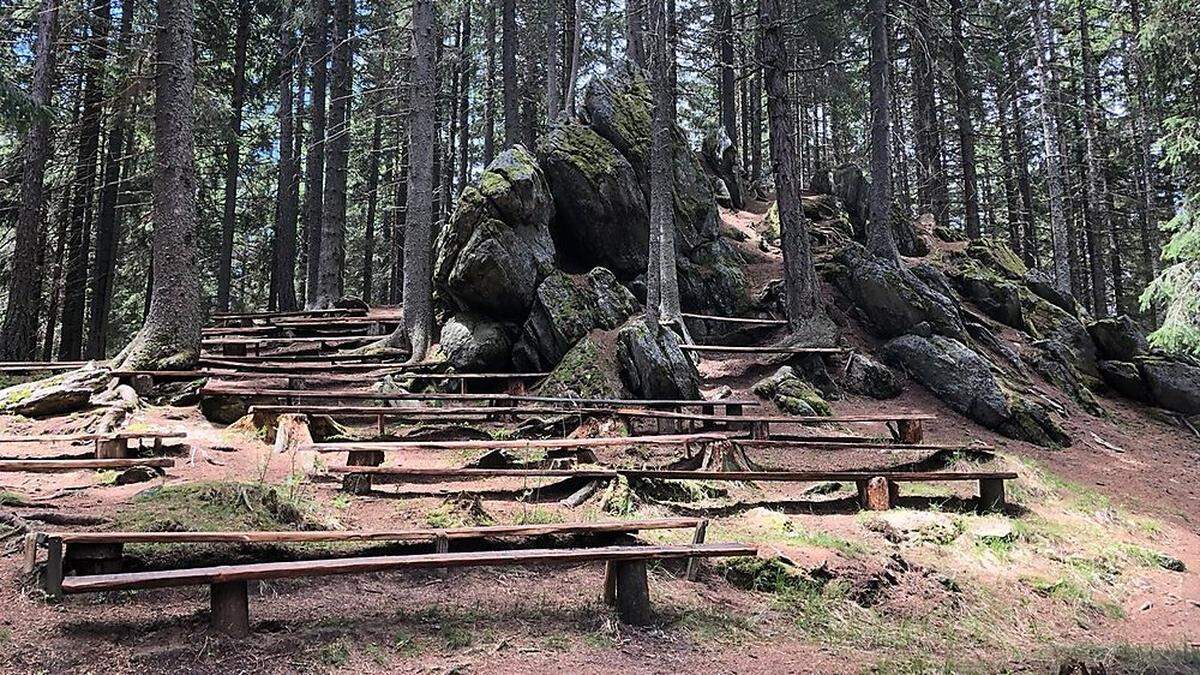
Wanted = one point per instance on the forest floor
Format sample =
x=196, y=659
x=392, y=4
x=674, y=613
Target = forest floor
x=1080, y=571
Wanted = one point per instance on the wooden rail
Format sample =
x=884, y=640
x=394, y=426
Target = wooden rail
x=764, y=349
x=59, y=465
x=735, y=319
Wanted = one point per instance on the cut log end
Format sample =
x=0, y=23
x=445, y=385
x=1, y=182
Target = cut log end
x=230, y=608
x=632, y=592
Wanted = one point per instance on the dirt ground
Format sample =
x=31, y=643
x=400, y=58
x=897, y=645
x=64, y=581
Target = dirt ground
x=1081, y=573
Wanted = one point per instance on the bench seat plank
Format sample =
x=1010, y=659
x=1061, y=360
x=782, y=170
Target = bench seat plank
x=108, y=436
x=673, y=474
x=290, y=570
x=54, y=465
x=521, y=444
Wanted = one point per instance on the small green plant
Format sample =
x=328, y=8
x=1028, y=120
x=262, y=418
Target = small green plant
x=335, y=654
x=455, y=636
x=106, y=477
x=536, y=516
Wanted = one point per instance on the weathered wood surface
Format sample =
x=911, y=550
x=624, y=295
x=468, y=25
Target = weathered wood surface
x=735, y=319
x=362, y=394
x=290, y=570
x=418, y=534
x=57, y=465
x=516, y=444
x=790, y=419
x=107, y=436
x=401, y=473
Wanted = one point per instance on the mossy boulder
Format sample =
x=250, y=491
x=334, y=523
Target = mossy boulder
x=588, y=370
x=1118, y=338
x=497, y=245
x=56, y=395
x=1046, y=320
x=565, y=308
x=1174, y=385
x=472, y=342
x=720, y=158
x=651, y=364
x=866, y=376
x=792, y=394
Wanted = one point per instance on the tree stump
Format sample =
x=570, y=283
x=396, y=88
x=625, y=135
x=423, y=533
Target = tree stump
x=360, y=483
x=875, y=494
x=230, y=608
x=633, y=592
x=112, y=448
x=910, y=431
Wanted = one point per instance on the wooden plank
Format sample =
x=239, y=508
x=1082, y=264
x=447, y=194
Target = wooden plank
x=38, y=366
x=765, y=349
x=515, y=444
x=227, y=316
x=363, y=394
x=854, y=444
x=308, y=568
x=673, y=474
x=735, y=319
x=423, y=534
x=55, y=465
x=331, y=372
x=285, y=341
x=108, y=436
x=792, y=419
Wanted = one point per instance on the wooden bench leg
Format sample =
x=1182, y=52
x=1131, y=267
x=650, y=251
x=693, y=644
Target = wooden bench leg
x=633, y=592
x=875, y=494
x=610, y=584
x=760, y=430
x=142, y=383
x=441, y=545
x=693, y=566
x=991, y=494
x=230, y=608
x=112, y=448
x=910, y=431
x=360, y=483
x=54, y=567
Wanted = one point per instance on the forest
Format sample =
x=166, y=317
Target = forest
x=600, y=335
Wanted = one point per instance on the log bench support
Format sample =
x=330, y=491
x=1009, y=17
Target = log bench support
x=760, y=430
x=230, y=608
x=112, y=448
x=991, y=494
x=693, y=564
x=233, y=349
x=632, y=591
x=360, y=483
x=910, y=431
x=876, y=494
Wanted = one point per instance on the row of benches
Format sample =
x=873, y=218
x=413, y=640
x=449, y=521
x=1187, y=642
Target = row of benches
x=95, y=557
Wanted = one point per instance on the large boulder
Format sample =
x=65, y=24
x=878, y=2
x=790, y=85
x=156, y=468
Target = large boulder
x=891, y=299
x=792, y=394
x=497, y=245
x=963, y=379
x=566, y=308
x=1047, y=321
x=588, y=370
x=1174, y=385
x=1118, y=339
x=651, y=364
x=1125, y=379
x=720, y=158
x=56, y=395
x=868, y=377
x=989, y=274
x=472, y=342
x=602, y=216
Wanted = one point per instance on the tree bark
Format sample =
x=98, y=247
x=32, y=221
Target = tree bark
x=963, y=96
x=1054, y=176
x=368, y=257
x=1029, y=250
x=170, y=337
x=1098, y=224
x=489, y=93
x=576, y=47
x=661, y=279
x=283, y=276
x=108, y=224
x=931, y=173
x=880, y=240
x=635, y=17
x=337, y=157
x=79, y=233
x=799, y=275
x=232, y=150
x=314, y=170
x=464, y=100
x=417, y=326
x=551, y=64
x=508, y=67
x=18, y=342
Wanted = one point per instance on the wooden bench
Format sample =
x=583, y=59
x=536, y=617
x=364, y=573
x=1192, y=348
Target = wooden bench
x=110, y=445
x=101, y=552
x=877, y=488
x=229, y=589
x=63, y=465
x=225, y=317
x=909, y=426
x=240, y=346
x=371, y=454
x=39, y=366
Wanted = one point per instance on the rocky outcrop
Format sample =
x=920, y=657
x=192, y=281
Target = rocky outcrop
x=989, y=275
x=792, y=394
x=472, y=342
x=651, y=364
x=720, y=159
x=1118, y=339
x=963, y=379
x=588, y=370
x=497, y=245
x=890, y=298
x=1174, y=385
x=1125, y=379
x=868, y=377
x=565, y=309
x=57, y=395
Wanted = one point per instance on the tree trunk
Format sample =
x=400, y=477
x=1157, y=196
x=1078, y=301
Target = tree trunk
x=799, y=275
x=508, y=67
x=1029, y=249
x=368, y=258
x=286, y=194
x=1012, y=197
x=170, y=338
x=489, y=94
x=553, y=38
x=337, y=157
x=1050, y=133
x=417, y=327
x=108, y=224
x=931, y=174
x=1097, y=214
x=1148, y=222
x=963, y=96
x=232, y=150
x=464, y=101
x=18, y=342
x=635, y=17
x=880, y=240
x=79, y=233
x=661, y=279
x=314, y=170
x=576, y=47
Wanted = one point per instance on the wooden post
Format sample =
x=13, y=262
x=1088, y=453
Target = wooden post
x=693, y=565
x=111, y=448
x=878, y=494
x=380, y=426
x=142, y=383
x=910, y=431
x=29, y=559
x=441, y=544
x=230, y=608
x=54, y=567
x=991, y=494
x=360, y=483
x=731, y=410
x=610, y=583
x=760, y=429
x=633, y=592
